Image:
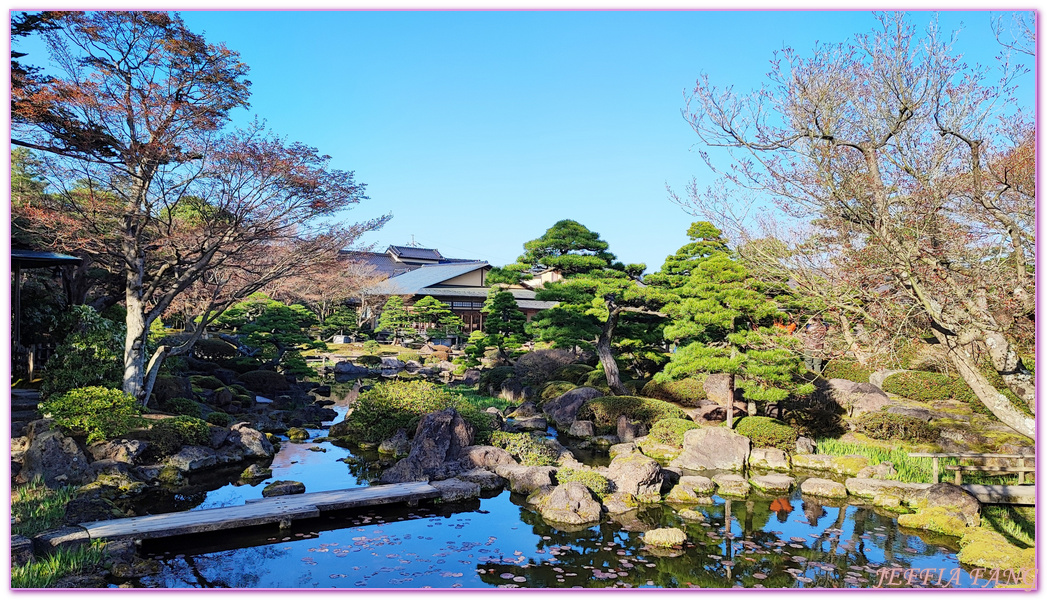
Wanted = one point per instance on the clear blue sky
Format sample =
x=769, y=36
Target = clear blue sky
x=479, y=130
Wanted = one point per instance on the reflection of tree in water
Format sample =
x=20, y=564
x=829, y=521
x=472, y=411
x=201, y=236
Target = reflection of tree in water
x=240, y=568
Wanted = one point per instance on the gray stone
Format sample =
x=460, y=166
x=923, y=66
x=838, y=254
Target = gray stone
x=691, y=489
x=253, y=442
x=256, y=471
x=485, y=456
x=713, y=448
x=530, y=424
x=398, y=445
x=884, y=470
x=805, y=445
x=564, y=409
x=629, y=430
x=454, y=490
x=622, y=449
x=122, y=450
x=54, y=458
x=525, y=410
x=582, y=429
x=668, y=536
x=691, y=515
x=605, y=441
x=729, y=484
x=283, y=488
x=524, y=480
x=485, y=479
x=435, y=450
x=638, y=475
x=193, y=458
x=471, y=377
x=858, y=398
x=515, y=391
x=952, y=498
x=620, y=502
x=570, y=503
x=917, y=413
x=111, y=466
x=347, y=368
x=769, y=458
x=870, y=488
x=391, y=363
x=824, y=488
x=21, y=550
x=772, y=484
x=719, y=387
x=339, y=430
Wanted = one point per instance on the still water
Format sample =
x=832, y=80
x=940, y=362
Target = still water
x=497, y=541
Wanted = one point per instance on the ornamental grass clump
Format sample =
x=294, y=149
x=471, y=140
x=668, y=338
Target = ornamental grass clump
x=766, y=432
x=97, y=412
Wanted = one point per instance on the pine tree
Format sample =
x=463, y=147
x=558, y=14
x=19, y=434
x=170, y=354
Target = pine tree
x=504, y=326
x=394, y=317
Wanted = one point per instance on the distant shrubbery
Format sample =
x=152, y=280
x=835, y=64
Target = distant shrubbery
x=100, y=413
x=887, y=426
x=219, y=418
x=491, y=380
x=368, y=360
x=182, y=406
x=604, y=411
x=214, y=350
x=554, y=389
x=575, y=373
x=686, y=392
x=386, y=407
x=766, y=432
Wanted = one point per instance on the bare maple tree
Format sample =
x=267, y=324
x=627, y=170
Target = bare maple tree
x=915, y=168
x=147, y=181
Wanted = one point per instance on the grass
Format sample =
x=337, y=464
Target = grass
x=1016, y=523
x=46, y=571
x=911, y=470
x=37, y=508
x=474, y=397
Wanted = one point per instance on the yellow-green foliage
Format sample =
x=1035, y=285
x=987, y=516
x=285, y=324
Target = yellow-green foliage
x=982, y=547
x=168, y=435
x=36, y=508
x=575, y=373
x=46, y=571
x=387, y=407
x=596, y=378
x=686, y=392
x=766, y=432
x=554, y=389
x=597, y=484
x=207, y=382
x=889, y=426
x=605, y=410
x=100, y=413
x=671, y=431
x=936, y=519
x=846, y=369
x=182, y=406
x=527, y=448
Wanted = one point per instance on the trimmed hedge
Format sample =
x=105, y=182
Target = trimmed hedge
x=527, y=448
x=575, y=373
x=554, y=389
x=182, y=406
x=214, y=350
x=207, y=382
x=220, y=419
x=766, y=432
x=605, y=410
x=686, y=392
x=888, y=426
x=168, y=435
x=847, y=369
x=98, y=412
x=671, y=431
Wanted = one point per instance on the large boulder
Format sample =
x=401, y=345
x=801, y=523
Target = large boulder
x=729, y=484
x=347, y=368
x=619, y=502
x=824, y=488
x=471, y=377
x=951, y=498
x=530, y=424
x=53, y=457
x=719, y=387
x=629, y=430
x=483, y=478
x=435, y=450
x=339, y=429
x=524, y=480
x=805, y=445
x=564, y=410
x=858, y=398
x=398, y=445
x=253, y=442
x=713, y=448
x=570, y=503
x=638, y=475
x=769, y=458
x=455, y=489
x=524, y=411
x=668, y=536
x=772, y=484
x=871, y=488
x=193, y=458
x=119, y=450
x=487, y=457
x=391, y=363
x=582, y=429
x=692, y=489
x=884, y=470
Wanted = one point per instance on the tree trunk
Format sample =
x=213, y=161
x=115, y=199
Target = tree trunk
x=997, y=403
x=852, y=343
x=1011, y=369
x=603, y=350
x=134, y=347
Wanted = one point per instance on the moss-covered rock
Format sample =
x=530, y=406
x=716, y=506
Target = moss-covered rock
x=850, y=464
x=691, y=515
x=772, y=484
x=937, y=519
x=731, y=485
x=871, y=488
x=981, y=547
x=823, y=488
x=297, y=434
x=664, y=537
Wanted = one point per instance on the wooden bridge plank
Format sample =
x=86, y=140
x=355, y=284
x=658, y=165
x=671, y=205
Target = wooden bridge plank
x=258, y=512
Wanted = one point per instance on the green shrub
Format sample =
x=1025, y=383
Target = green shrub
x=527, y=448
x=167, y=387
x=605, y=410
x=220, y=419
x=207, y=382
x=241, y=364
x=847, y=369
x=596, y=378
x=293, y=363
x=182, y=406
x=437, y=357
x=491, y=380
x=686, y=392
x=264, y=382
x=887, y=426
x=387, y=407
x=575, y=373
x=409, y=356
x=368, y=360
x=91, y=355
x=372, y=347
x=766, y=432
x=554, y=389
x=597, y=484
x=214, y=350
x=671, y=431
x=171, y=434
x=100, y=413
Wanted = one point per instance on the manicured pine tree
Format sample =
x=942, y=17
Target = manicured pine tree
x=394, y=317
x=504, y=326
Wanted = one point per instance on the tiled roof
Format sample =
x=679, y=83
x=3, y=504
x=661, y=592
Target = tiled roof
x=416, y=253
x=383, y=263
x=411, y=282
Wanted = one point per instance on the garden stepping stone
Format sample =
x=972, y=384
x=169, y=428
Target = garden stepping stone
x=824, y=488
x=773, y=484
x=731, y=485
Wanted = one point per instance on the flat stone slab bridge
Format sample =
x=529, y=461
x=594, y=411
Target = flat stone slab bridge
x=279, y=509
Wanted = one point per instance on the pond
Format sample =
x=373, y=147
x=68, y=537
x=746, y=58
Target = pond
x=496, y=541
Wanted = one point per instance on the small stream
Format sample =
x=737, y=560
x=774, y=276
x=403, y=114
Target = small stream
x=496, y=541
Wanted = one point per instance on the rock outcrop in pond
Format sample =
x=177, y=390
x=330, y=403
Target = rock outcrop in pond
x=713, y=448
x=436, y=449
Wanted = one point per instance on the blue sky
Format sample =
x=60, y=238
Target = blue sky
x=479, y=130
